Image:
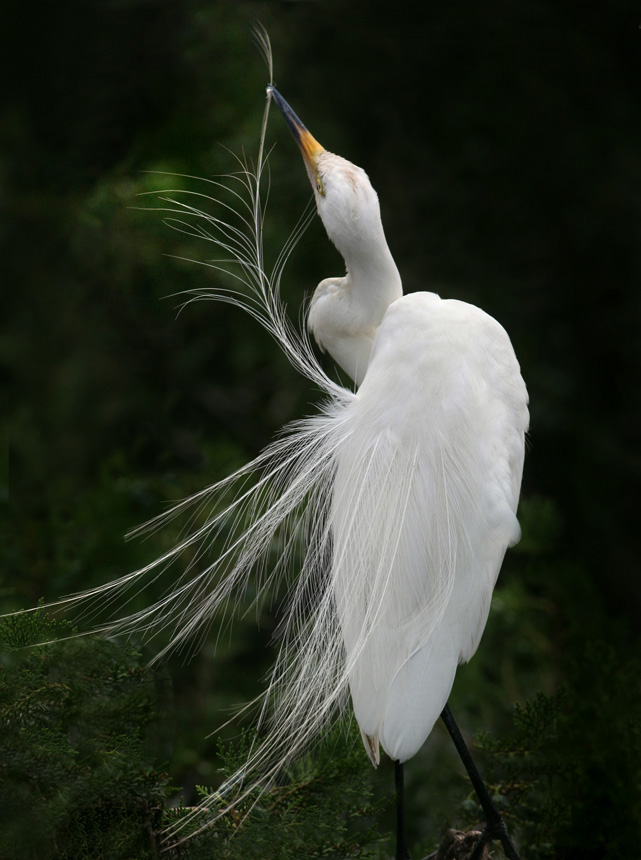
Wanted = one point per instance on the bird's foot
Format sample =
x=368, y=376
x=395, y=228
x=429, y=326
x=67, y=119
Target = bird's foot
x=474, y=844
x=462, y=845
x=495, y=829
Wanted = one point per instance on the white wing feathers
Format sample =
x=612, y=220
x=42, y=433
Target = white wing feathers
x=423, y=511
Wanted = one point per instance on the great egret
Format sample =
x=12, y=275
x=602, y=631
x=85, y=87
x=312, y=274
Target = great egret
x=402, y=494
x=428, y=472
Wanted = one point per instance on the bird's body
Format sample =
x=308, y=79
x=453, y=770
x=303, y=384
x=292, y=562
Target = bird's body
x=428, y=469
x=426, y=490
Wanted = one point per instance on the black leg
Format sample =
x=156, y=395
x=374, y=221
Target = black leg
x=401, y=842
x=495, y=826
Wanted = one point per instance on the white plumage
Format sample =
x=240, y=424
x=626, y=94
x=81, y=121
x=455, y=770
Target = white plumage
x=402, y=494
x=428, y=469
x=424, y=508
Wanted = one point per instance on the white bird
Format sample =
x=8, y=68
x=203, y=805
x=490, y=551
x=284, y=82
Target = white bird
x=402, y=493
x=428, y=471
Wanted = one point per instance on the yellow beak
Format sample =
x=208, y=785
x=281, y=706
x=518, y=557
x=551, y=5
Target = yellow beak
x=309, y=146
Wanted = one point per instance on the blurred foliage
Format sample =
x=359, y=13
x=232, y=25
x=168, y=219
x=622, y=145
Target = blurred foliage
x=565, y=788
x=505, y=143
x=76, y=777
x=322, y=807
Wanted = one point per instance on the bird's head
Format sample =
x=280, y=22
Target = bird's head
x=346, y=202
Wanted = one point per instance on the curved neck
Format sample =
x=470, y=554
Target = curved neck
x=345, y=313
x=373, y=281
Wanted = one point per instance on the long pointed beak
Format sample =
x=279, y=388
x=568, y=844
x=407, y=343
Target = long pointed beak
x=309, y=146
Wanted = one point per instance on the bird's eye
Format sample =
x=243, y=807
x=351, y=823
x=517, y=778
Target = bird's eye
x=319, y=187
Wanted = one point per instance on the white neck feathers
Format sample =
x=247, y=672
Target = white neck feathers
x=346, y=312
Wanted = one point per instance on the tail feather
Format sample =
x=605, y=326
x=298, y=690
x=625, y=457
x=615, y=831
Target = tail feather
x=284, y=493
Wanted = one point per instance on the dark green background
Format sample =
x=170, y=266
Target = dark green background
x=504, y=140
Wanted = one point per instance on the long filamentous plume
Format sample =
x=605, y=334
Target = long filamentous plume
x=288, y=492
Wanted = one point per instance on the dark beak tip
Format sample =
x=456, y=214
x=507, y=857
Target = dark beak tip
x=289, y=115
